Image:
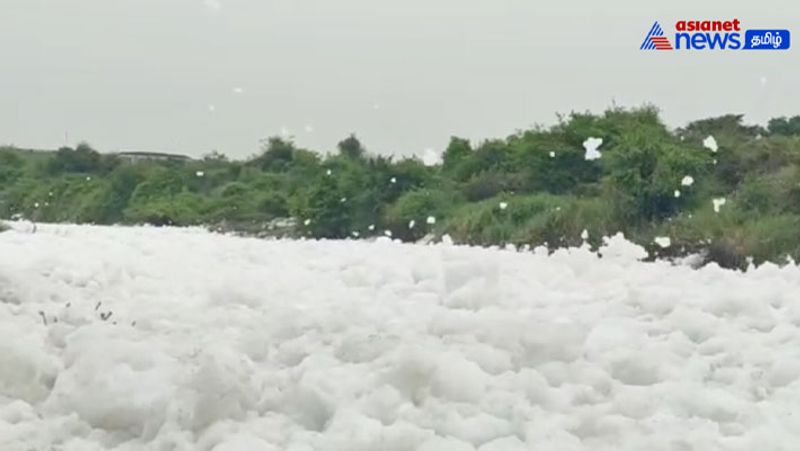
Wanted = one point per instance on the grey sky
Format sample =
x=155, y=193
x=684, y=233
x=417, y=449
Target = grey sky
x=190, y=76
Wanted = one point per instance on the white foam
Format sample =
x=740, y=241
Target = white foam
x=711, y=144
x=223, y=343
x=718, y=203
x=590, y=146
x=663, y=241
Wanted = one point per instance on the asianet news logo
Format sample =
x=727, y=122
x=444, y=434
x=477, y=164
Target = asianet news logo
x=715, y=35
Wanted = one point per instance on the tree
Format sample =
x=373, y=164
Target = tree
x=727, y=130
x=215, y=157
x=545, y=161
x=324, y=214
x=277, y=154
x=124, y=180
x=646, y=170
x=489, y=155
x=81, y=159
x=784, y=126
x=457, y=150
x=351, y=147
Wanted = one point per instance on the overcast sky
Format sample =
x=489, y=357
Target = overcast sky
x=190, y=76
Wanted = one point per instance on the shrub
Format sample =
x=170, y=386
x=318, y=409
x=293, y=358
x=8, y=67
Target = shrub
x=489, y=184
x=322, y=211
x=534, y=220
x=647, y=170
x=546, y=163
x=11, y=167
x=417, y=206
x=183, y=209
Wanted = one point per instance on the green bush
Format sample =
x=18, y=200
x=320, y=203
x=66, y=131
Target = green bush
x=546, y=163
x=418, y=206
x=324, y=211
x=488, y=184
x=183, y=209
x=534, y=220
x=647, y=170
x=779, y=192
x=11, y=167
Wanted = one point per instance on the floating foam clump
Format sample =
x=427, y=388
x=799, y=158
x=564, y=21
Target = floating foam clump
x=663, y=241
x=711, y=144
x=590, y=146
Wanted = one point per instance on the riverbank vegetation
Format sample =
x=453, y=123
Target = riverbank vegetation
x=715, y=186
